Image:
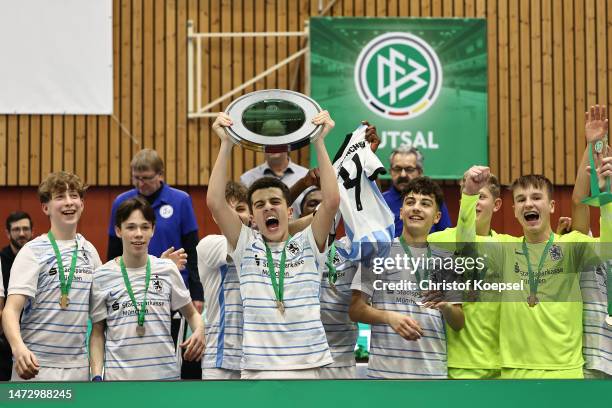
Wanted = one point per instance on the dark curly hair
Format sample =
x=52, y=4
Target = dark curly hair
x=425, y=186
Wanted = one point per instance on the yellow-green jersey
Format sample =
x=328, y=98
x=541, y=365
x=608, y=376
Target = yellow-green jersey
x=476, y=346
x=547, y=336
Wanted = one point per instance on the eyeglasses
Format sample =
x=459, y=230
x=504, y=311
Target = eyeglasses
x=144, y=179
x=408, y=170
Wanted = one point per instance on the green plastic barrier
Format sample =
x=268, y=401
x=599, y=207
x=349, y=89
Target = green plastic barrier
x=319, y=394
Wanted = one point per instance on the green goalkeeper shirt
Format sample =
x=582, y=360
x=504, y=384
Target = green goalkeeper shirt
x=549, y=335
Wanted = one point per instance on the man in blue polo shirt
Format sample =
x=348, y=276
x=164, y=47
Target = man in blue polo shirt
x=407, y=164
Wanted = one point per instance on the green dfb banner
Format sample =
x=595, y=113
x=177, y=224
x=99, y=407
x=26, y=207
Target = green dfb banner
x=421, y=81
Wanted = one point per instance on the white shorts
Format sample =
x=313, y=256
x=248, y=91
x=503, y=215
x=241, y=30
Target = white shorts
x=220, y=374
x=338, y=373
x=308, y=374
x=56, y=374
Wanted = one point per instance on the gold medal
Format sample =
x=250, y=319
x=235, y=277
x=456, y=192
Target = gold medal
x=609, y=321
x=532, y=300
x=64, y=301
x=140, y=330
x=280, y=306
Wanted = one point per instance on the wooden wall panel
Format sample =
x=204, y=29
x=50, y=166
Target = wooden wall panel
x=548, y=61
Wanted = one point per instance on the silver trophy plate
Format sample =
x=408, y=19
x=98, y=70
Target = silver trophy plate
x=273, y=120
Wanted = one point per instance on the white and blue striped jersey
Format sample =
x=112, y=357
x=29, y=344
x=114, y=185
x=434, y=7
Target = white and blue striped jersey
x=272, y=340
x=341, y=332
x=597, y=339
x=55, y=336
x=128, y=356
x=391, y=356
x=223, y=304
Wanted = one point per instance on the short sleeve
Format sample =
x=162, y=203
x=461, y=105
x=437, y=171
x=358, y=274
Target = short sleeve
x=179, y=296
x=188, y=219
x=320, y=257
x=95, y=257
x=359, y=284
x=243, y=239
x=24, y=273
x=212, y=253
x=372, y=166
x=97, y=299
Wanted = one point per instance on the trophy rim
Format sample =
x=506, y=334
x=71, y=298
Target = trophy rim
x=254, y=141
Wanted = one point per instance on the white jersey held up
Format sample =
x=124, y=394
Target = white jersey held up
x=366, y=215
x=295, y=339
x=223, y=304
x=55, y=336
x=129, y=356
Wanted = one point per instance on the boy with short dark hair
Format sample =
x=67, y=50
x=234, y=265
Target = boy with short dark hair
x=132, y=298
x=279, y=274
x=408, y=334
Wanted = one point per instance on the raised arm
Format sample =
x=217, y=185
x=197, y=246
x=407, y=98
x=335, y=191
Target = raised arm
x=227, y=220
x=324, y=217
x=595, y=128
x=474, y=179
x=310, y=179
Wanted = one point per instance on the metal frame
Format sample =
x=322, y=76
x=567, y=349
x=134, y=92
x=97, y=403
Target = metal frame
x=194, y=53
x=194, y=63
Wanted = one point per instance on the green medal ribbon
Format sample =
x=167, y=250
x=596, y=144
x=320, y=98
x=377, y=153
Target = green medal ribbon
x=533, y=283
x=332, y=275
x=409, y=253
x=64, y=285
x=140, y=310
x=278, y=287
